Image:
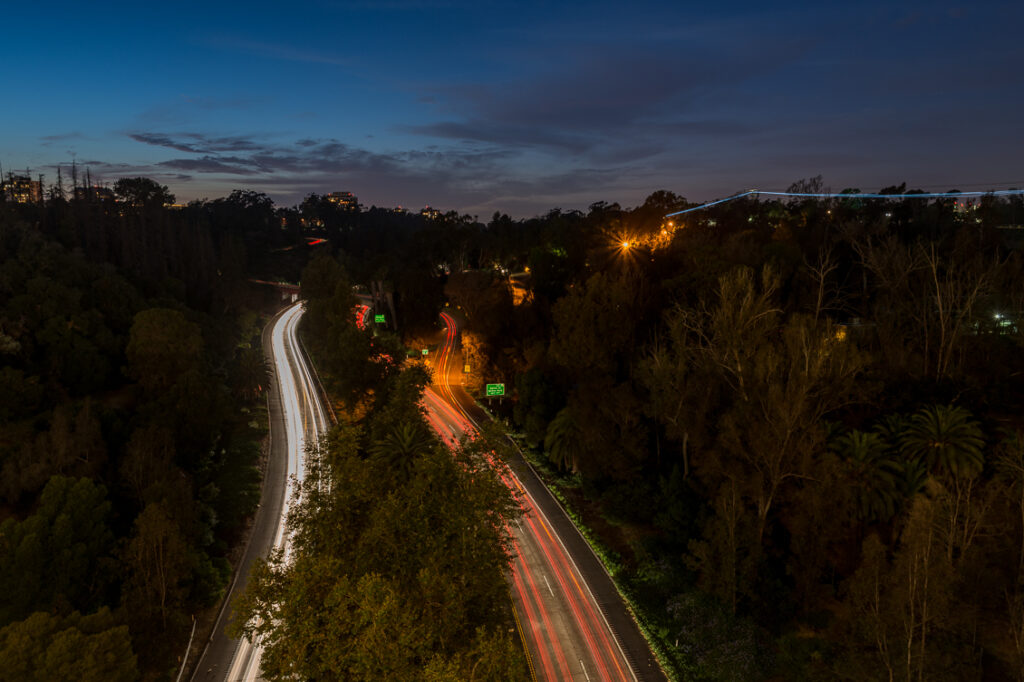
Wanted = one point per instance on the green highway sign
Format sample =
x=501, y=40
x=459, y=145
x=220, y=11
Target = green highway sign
x=379, y=319
x=495, y=389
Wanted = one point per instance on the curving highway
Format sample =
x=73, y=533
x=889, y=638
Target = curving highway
x=297, y=415
x=572, y=619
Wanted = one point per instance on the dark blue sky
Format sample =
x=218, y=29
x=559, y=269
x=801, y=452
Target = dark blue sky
x=521, y=107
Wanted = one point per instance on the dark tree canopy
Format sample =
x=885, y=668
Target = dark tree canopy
x=142, y=192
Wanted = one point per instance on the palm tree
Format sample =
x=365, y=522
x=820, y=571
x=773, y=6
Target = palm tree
x=398, y=449
x=891, y=429
x=947, y=439
x=874, y=472
x=562, y=442
x=913, y=476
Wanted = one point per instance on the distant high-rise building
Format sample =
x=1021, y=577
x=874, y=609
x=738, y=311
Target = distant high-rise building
x=430, y=213
x=346, y=200
x=21, y=189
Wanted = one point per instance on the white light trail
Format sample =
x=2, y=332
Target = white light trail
x=292, y=371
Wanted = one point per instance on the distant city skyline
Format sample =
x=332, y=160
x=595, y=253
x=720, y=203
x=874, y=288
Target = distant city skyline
x=515, y=107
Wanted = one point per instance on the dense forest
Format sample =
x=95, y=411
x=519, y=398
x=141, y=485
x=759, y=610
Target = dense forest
x=794, y=425
x=799, y=423
x=131, y=418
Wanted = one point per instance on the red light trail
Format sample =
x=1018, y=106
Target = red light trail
x=538, y=550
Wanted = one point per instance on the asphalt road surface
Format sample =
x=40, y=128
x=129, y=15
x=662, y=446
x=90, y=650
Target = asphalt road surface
x=574, y=622
x=297, y=414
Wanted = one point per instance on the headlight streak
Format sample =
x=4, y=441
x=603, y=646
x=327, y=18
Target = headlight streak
x=299, y=415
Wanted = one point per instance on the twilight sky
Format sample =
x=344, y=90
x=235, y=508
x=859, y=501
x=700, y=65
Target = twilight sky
x=515, y=106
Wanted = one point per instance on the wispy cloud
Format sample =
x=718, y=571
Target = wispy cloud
x=197, y=143
x=603, y=105
x=323, y=164
x=398, y=5
x=48, y=139
x=185, y=109
x=209, y=164
x=246, y=155
x=504, y=134
x=282, y=52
